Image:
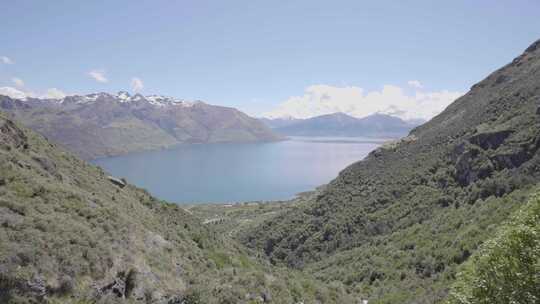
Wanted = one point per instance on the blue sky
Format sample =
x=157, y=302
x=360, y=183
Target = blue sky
x=255, y=55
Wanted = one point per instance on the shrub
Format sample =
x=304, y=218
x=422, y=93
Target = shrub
x=506, y=269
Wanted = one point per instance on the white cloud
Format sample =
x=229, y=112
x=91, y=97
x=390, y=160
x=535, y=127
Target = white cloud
x=98, y=75
x=18, y=82
x=136, y=84
x=325, y=99
x=415, y=84
x=12, y=92
x=52, y=93
x=6, y=60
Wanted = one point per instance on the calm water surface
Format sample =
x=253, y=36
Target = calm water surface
x=239, y=172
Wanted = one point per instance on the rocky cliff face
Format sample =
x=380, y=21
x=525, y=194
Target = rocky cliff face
x=397, y=224
x=103, y=124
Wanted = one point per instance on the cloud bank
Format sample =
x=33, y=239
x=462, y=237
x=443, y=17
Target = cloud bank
x=51, y=93
x=12, y=92
x=136, y=84
x=392, y=100
x=98, y=75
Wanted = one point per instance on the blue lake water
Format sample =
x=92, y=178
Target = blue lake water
x=226, y=173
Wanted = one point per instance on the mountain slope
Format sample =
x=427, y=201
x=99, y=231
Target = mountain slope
x=71, y=234
x=340, y=124
x=396, y=225
x=102, y=124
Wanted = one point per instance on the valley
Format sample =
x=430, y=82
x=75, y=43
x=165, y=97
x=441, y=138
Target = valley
x=389, y=189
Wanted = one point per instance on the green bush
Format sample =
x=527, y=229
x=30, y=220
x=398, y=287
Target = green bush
x=506, y=269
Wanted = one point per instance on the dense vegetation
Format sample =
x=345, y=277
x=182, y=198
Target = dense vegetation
x=506, y=269
x=70, y=235
x=395, y=226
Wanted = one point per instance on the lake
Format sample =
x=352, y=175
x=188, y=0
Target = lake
x=237, y=172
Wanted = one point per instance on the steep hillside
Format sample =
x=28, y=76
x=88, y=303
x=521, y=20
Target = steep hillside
x=395, y=226
x=340, y=124
x=103, y=124
x=71, y=234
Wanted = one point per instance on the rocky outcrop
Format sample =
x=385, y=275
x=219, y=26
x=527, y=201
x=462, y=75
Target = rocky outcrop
x=11, y=136
x=117, y=181
x=490, y=140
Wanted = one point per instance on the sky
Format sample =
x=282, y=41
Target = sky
x=272, y=58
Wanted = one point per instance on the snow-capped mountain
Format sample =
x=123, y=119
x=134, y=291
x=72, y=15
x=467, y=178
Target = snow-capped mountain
x=122, y=96
x=101, y=124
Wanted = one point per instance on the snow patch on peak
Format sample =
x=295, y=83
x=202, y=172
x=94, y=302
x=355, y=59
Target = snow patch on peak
x=137, y=97
x=161, y=101
x=123, y=95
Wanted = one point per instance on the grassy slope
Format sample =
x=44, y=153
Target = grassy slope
x=395, y=226
x=68, y=234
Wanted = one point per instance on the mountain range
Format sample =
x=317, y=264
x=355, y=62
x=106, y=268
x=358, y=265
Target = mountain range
x=103, y=124
x=341, y=124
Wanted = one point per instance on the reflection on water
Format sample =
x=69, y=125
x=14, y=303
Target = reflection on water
x=239, y=172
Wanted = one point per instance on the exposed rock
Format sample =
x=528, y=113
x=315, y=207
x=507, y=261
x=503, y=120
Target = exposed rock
x=511, y=159
x=37, y=286
x=121, y=286
x=117, y=181
x=471, y=166
x=490, y=140
x=47, y=165
x=10, y=135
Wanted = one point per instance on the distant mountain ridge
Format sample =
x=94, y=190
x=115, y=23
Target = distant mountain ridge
x=103, y=124
x=341, y=124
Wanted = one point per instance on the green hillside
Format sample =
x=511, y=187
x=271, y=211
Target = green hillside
x=395, y=226
x=70, y=234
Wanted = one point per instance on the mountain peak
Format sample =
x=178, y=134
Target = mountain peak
x=123, y=95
